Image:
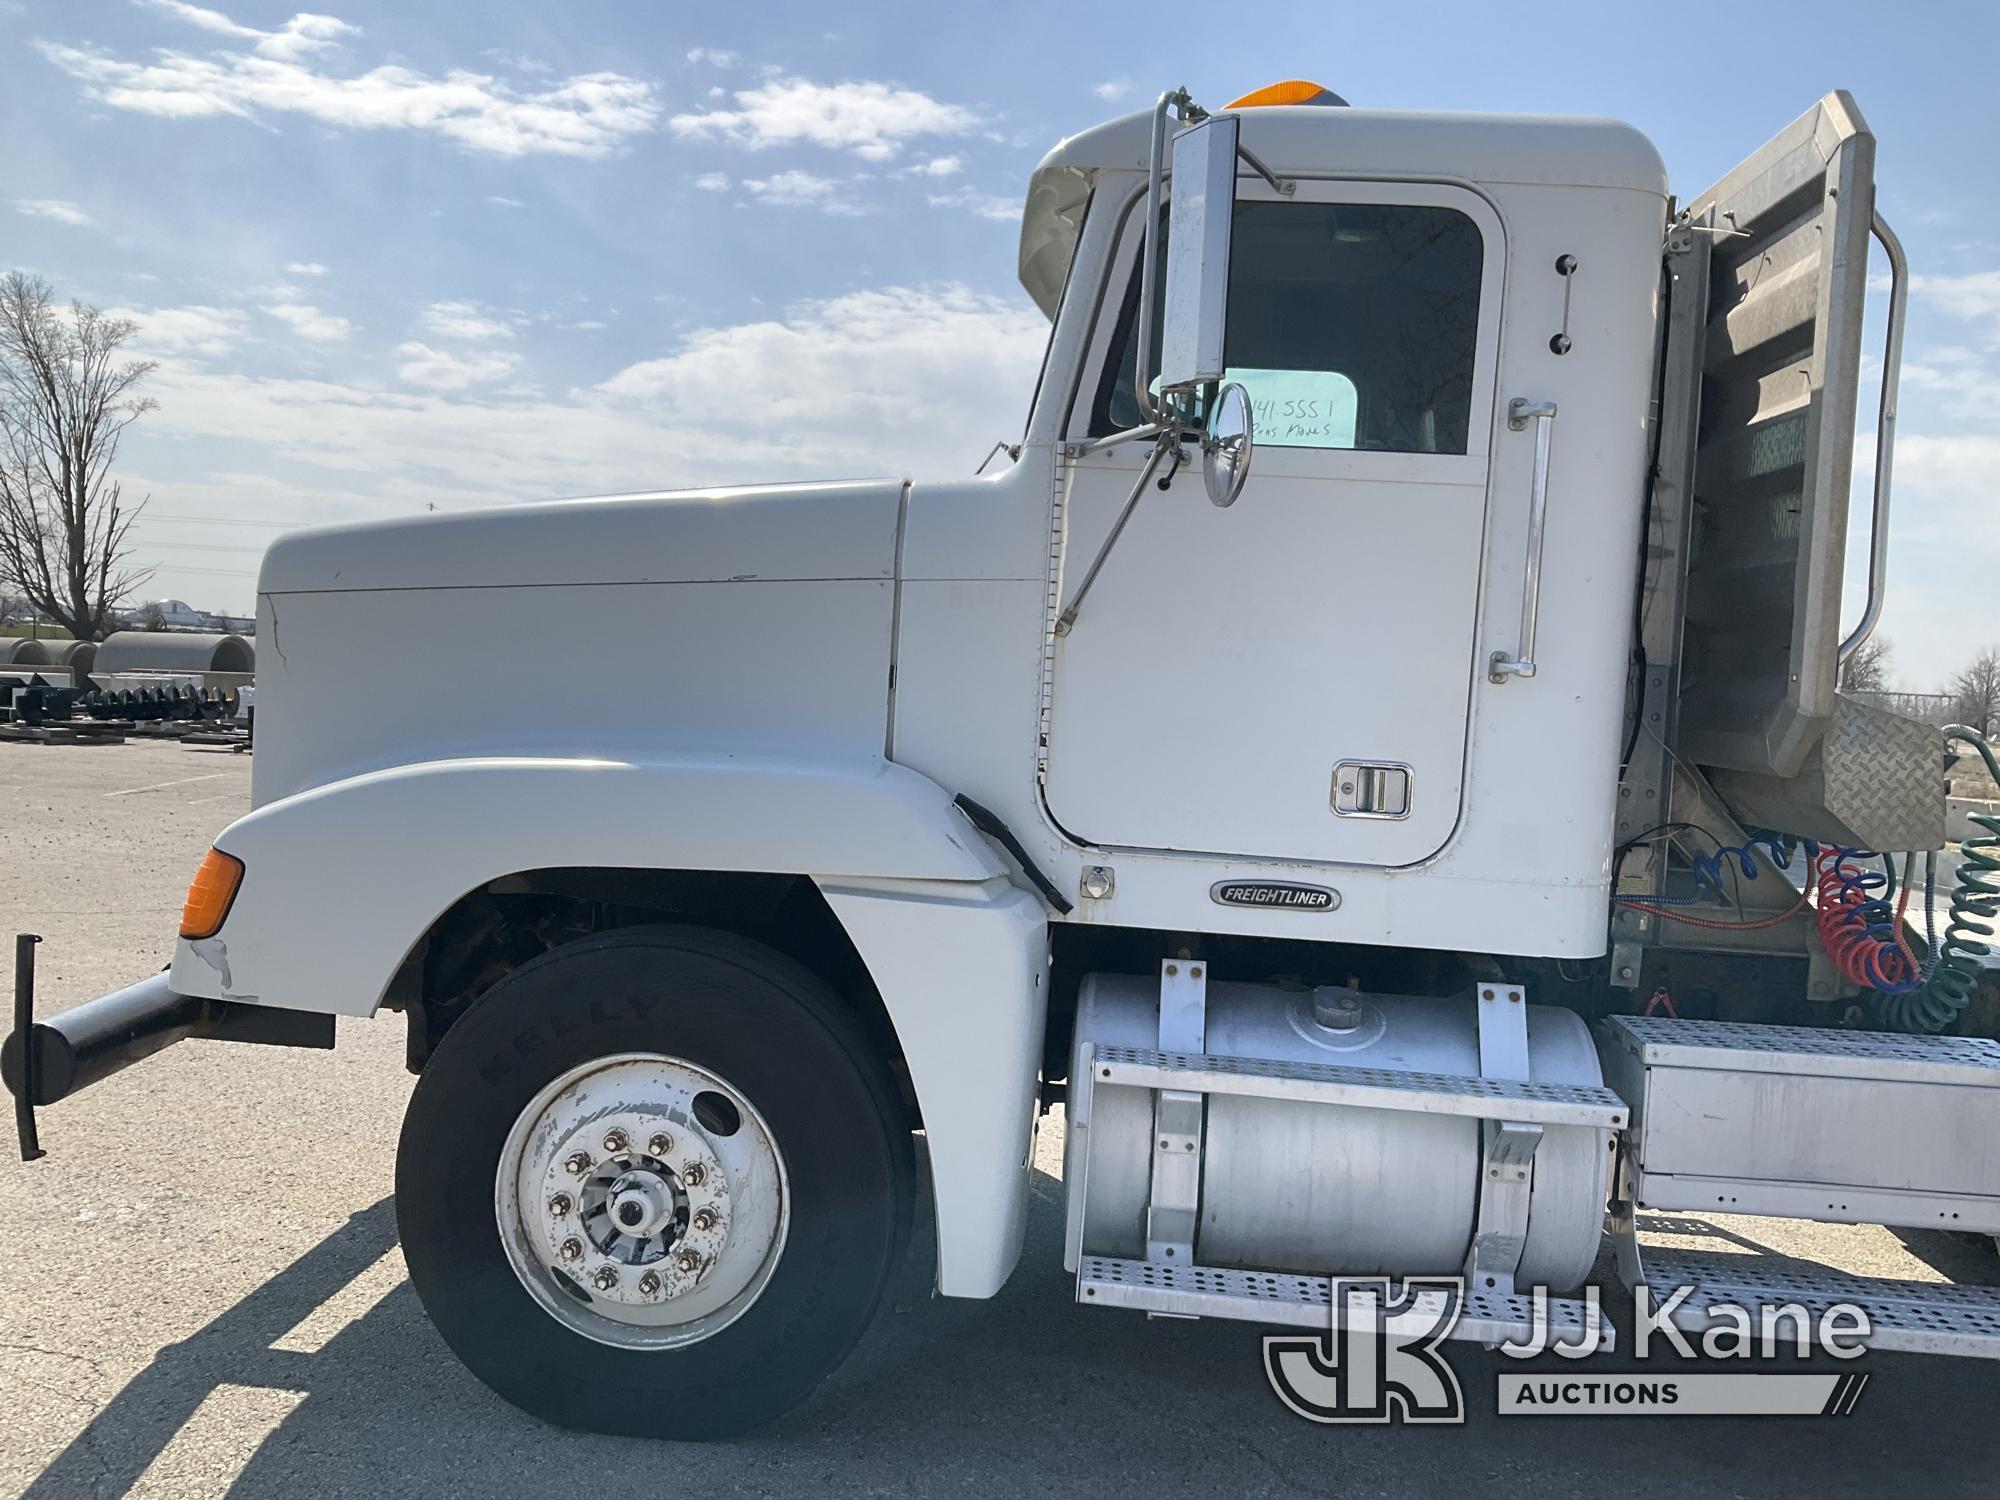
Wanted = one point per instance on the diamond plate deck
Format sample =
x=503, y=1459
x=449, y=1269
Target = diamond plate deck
x=1914, y=1317
x=1660, y=1041
x=1303, y=1302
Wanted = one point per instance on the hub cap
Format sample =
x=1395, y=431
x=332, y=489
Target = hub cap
x=626, y=1246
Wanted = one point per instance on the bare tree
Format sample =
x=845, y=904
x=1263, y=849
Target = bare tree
x=1976, y=693
x=1867, y=670
x=65, y=399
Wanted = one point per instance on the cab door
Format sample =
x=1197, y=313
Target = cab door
x=1289, y=678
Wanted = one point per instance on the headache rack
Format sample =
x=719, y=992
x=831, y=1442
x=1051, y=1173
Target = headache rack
x=1740, y=723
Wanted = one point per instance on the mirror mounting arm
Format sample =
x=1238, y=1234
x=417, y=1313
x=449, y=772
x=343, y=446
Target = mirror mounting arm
x=1285, y=187
x=1167, y=441
x=1149, y=431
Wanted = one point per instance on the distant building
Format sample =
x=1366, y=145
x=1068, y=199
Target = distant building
x=178, y=614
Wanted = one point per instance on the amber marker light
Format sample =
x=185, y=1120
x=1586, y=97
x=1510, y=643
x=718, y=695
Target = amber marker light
x=209, y=897
x=1291, y=91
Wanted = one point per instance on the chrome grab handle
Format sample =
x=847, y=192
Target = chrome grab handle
x=1520, y=412
x=1885, y=438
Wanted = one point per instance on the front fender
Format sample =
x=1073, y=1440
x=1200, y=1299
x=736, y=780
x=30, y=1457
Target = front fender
x=341, y=881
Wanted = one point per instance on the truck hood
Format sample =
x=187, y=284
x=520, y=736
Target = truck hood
x=844, y=530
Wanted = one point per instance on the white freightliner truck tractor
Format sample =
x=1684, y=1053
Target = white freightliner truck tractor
x=1374, y=758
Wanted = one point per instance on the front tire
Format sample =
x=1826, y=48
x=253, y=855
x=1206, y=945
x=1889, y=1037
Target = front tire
x=651, y=1184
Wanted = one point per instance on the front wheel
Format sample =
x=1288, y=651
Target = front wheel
x=651, y=1184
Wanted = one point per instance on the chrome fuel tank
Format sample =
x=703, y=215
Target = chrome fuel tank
x=1326, y=1188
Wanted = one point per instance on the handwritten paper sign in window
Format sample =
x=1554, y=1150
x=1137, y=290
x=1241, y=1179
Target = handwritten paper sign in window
x=1300, y=408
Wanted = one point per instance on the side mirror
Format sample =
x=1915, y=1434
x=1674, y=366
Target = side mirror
x=1227, y=445
x=1195, y=307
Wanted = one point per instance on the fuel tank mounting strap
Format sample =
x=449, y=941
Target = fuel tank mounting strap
x=1366, y=1088
x=1507, y=1147
x=1174, y=1208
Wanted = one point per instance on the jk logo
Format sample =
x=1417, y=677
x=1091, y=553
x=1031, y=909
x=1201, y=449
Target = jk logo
x=1379, y=1360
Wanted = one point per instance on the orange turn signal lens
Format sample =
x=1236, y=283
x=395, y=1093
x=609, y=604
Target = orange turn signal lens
x=1291, y=91
x=209, y=898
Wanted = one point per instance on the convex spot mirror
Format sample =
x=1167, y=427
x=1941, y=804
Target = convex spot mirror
x=1227, y=445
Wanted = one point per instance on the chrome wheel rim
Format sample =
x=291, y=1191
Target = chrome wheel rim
x=642, y=1201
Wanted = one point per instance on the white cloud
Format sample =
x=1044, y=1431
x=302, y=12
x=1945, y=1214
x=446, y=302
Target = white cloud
x=464, y=320
x=936, y=166
x=1975, y=295
x=873, y=120
x=59, y=209
x=195, y=330
x=842, y=369
x=505, y=202
x=1113, y=89
x=986, y=205
x=1963, y=385
x=1943, y=490
x=713, y=182
x=451, y=369
x=805, y=190
x=207, y=20
x=308, y=322
x=589, y=114
x=305, y=268
x=588, y=325
x=1962, y=464
x=302, y=34
x=715, y=57
x=825, y=391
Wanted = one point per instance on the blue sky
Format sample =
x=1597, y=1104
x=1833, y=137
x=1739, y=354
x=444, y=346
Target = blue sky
x=397, y=256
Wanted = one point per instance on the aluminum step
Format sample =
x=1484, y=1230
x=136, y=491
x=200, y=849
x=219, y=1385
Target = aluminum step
x=1304, y=1301
x=1370, y=1088
x=1913, y=1317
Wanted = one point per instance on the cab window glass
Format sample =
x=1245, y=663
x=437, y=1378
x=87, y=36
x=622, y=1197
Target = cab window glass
x=1352, y=325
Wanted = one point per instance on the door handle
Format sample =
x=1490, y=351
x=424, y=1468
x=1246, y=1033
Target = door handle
x=1520, y=412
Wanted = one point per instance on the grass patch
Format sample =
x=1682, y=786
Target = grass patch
x=40, y=632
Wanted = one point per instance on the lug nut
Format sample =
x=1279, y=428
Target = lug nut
x=693, y=1175
x=706, y=1218
x=572, y=1249
x=688, y=1262
x=649, y=1284
x=559, y=1205
x=660, y=1144
x=577, y=1163
x=604, y=1279
x=614, y=1142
